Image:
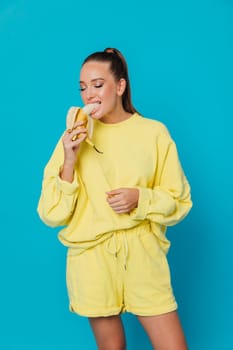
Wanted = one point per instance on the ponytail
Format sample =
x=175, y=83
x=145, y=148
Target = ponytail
x=119, y=69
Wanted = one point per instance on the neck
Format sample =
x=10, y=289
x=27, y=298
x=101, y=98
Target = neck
x=116, y=116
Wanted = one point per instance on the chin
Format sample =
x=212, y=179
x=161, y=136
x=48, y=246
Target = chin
x=96, y=116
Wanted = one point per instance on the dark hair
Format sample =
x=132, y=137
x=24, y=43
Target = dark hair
x=118, y=68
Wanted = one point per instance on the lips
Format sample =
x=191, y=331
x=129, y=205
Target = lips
x=90, y=108
x=95, y=107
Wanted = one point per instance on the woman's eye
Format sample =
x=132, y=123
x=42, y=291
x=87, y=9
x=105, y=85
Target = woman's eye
x=98, y=86
x=82, y=88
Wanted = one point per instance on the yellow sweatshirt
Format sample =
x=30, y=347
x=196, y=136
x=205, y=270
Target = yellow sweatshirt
x=137, y=153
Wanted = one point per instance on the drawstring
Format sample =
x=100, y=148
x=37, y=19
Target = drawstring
x=112, y=241
x=126, y=249
x=113, y=248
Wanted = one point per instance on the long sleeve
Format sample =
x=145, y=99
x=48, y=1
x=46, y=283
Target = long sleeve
x=169, y=200
x=58, y=197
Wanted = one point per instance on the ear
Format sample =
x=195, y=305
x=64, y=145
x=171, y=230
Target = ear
x=121, y=85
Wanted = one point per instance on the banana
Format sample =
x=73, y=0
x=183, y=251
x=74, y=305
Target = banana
x=81, y=114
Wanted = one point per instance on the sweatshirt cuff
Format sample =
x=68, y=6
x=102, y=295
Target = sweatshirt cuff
x=66, y=187
x=144, y=200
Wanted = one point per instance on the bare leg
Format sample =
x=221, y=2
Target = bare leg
x=109, y=332
x=164, y=331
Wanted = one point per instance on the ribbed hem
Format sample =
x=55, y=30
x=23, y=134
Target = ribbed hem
x=143, y=204
x=67, y=187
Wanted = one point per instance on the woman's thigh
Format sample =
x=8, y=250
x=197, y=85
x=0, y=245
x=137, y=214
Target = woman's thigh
x=164, y=331
x=109, y=332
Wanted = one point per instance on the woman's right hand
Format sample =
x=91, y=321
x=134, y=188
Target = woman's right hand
x=71, y=148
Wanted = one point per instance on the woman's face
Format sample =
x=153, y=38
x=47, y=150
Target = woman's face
x=98, y=85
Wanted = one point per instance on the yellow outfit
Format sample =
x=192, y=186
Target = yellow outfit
x=137, y=153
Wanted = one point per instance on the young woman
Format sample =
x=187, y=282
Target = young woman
x=115, y=207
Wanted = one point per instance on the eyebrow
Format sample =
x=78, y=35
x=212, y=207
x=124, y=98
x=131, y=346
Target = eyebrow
x=93, y=80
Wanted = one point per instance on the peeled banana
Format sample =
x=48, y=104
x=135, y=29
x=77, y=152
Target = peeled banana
x=76, y=114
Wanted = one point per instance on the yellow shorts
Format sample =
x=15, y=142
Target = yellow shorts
x=127, y=272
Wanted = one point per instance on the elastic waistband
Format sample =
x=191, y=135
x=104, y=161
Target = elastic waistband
x=113, y=245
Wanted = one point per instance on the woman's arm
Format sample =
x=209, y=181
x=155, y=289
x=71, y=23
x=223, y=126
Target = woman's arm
x=60, y=186
x=58, y=196
x=169, y=201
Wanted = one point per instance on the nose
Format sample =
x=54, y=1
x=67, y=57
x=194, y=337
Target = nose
x=89, y=93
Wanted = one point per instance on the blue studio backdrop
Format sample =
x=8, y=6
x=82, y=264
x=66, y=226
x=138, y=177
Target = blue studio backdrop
x=180, y=57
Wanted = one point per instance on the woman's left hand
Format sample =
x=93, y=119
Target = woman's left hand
x=123, y=200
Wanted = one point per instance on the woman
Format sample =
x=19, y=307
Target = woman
x=115, y=207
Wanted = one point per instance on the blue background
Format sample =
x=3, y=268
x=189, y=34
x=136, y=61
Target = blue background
x=180, y=57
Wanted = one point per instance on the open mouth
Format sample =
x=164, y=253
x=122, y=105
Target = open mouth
x=95, y=107
x=90, y=108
